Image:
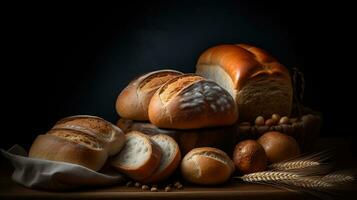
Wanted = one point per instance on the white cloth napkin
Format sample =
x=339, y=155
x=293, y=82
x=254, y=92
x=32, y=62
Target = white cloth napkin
x=46, y=174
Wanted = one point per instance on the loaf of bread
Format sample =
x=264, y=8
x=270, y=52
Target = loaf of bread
x=72, y=146
x=170, y=159
x=258, y=82
x=133, y=101
x=207, y=166
x=84, y=140
x=139, y=158
x=112, y=137
x=224, y=137
x=191, y=102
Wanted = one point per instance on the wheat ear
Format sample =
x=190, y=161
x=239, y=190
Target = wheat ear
x=268, y=176
x=338, y=177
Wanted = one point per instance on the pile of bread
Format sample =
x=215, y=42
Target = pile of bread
x=232, y=84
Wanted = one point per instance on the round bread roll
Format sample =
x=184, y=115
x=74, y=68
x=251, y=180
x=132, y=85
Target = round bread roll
x=278, y=146
x=259, y=84
x=191, y=102
x=249, y=157
x=207, y=166
x=111, y=136
x=133, y=101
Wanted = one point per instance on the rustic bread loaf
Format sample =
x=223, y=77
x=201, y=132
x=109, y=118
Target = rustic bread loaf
x=139, y=158
x=170, y=158
x=133, y=101
x=68, y=145
x=207, y=166
x=258, y=82
x=190, y=102
x=111, y=136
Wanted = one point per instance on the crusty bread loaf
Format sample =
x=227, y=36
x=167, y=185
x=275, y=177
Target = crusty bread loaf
x=110, y=135
x=68, y=145
x=190, y=102
x=224, y=137
x=207, y=166
x=133, y=101
x=139, y=158
x=170, y=158
x=258, y=82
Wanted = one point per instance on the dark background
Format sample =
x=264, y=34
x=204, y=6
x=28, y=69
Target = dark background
x=64, y=59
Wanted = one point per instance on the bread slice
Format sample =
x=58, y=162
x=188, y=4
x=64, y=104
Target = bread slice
x=139, y=158
x=110, y=135
x=72, y=146
x=170, y=158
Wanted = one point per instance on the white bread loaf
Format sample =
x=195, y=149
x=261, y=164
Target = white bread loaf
x=170, y=158
x=72, y=146
x=133, y=101
x=112, y=137
x=82, y=139
x=191, y=102
x=258, y=82
x=207, y=166
x=139, y=158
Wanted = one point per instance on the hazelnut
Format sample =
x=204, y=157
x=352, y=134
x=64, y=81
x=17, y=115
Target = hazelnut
x=284, y=120
x=269, y=122
x=249, y=157
x=137, y=184
x=153, y=189
x=144, y=187
x=278, y=146
x=129, y=183
x=275, y=117
x=259, y=121
x=167, y=189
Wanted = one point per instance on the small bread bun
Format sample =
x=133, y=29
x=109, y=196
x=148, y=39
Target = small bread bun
x=133, y=101
x=249, y=157
x=191, y=102
x=207, y=166
x=278, y=146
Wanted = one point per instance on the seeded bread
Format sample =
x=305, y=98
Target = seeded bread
x=139, y=158
x=259, y=84
x=191, y=102
x=170, y=158
x=207, y=166
x=133, y=101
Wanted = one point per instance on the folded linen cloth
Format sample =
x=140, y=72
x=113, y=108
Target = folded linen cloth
x=46, y=174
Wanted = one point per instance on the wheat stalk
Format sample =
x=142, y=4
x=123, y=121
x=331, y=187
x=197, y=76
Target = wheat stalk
x=268, y=176
x=338, y=178
x=290, y=165
x=308, y=182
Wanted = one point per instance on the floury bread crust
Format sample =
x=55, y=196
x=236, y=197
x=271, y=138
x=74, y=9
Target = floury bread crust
x=132, y=102
x=191, y=102
x=259, y=84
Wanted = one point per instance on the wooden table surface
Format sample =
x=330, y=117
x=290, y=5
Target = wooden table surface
x=232, y=190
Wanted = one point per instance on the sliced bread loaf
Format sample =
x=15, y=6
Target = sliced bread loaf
x=139, y=158
x=170, y=158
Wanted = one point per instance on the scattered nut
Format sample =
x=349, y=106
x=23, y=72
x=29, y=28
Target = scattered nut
x=137, y=184
x=180, y=186
x=129, y=183
x=275, y=117
x=269, y=122
x=144, y=187
x=259, y=121
x=176, y=184
x=167, y=189
x=153, y=189
x=284, y=120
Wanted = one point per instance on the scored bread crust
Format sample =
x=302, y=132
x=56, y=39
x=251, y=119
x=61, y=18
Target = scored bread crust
x=207, y=166
x=258, y=82
x=191, y=102
x=148, y=167
x=133, y=101
x=112, y=137
x=161, y=174
x=51, y=147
